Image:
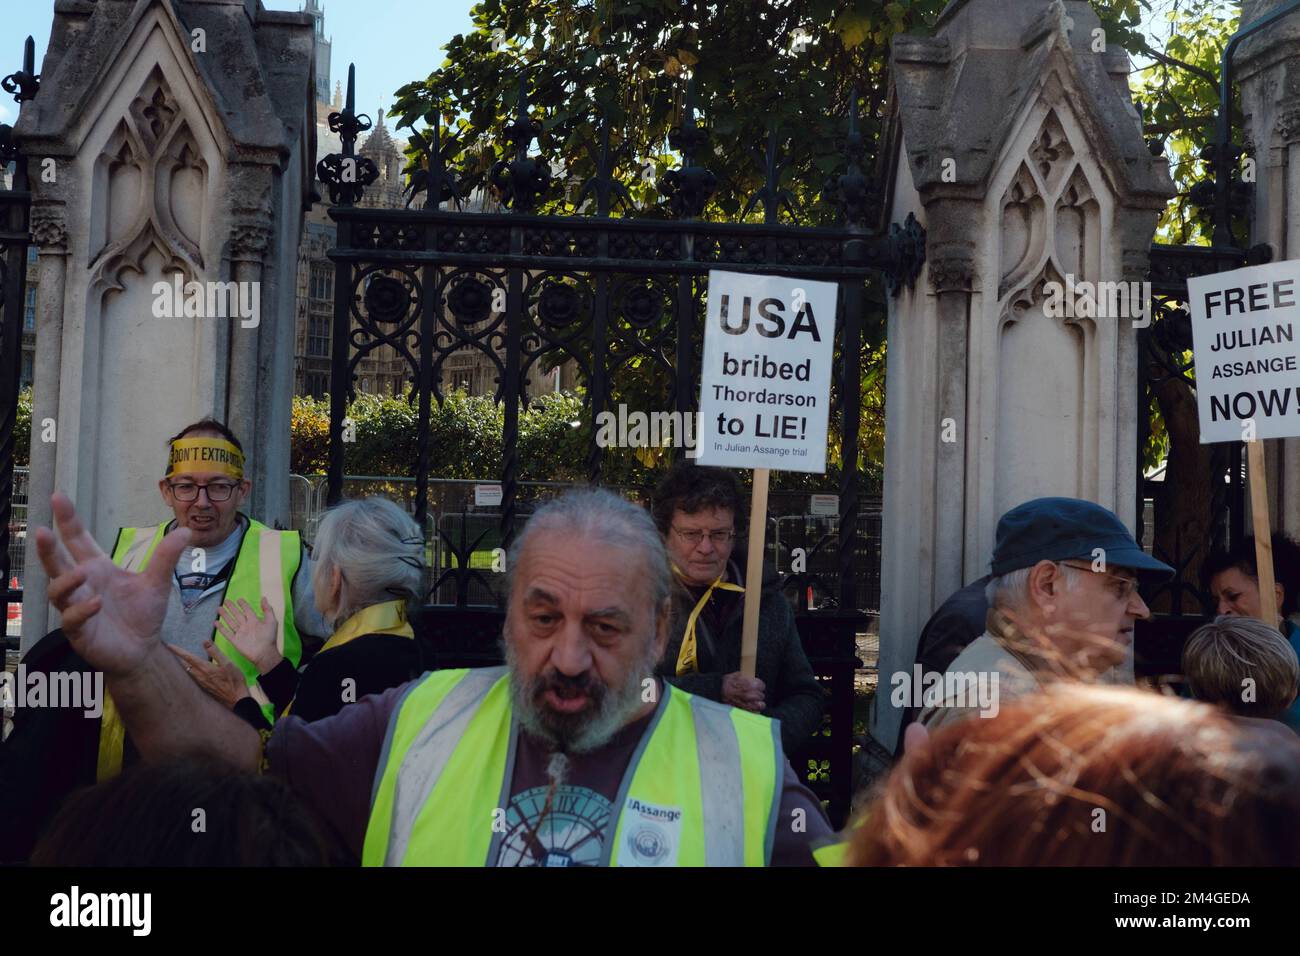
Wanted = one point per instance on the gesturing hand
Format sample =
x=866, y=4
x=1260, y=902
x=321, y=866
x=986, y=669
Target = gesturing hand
x=112, y=617
x=254, y=637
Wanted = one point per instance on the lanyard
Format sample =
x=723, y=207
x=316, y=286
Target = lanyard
x=688, y=658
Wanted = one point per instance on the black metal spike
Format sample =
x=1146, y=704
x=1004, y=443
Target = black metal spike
x=346, y=174
x=522, y=181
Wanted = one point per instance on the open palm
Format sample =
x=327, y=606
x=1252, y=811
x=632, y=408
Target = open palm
x=252, y=636
x=112, y=617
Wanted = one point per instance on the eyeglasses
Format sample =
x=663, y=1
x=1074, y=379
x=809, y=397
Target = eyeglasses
x=1123, y=588
x=189, y=491
x=694, y=537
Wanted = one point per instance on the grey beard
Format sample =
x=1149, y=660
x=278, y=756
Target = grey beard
x=578, y=733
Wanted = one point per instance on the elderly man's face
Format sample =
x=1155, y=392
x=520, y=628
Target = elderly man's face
x=582, y=637
x=1092, y=622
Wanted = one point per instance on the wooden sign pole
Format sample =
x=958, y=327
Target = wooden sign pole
x=1263, y=536
x=754, y=573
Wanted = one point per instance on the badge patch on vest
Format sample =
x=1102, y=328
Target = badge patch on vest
x=651, y=834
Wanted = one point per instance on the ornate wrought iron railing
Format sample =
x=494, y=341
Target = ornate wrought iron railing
x=15, y=236
x=524, y=290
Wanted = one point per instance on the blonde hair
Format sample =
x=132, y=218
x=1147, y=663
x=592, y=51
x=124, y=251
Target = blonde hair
x=1219, y=659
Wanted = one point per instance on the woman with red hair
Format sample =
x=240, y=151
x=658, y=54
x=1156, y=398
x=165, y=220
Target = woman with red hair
x=1089, y=776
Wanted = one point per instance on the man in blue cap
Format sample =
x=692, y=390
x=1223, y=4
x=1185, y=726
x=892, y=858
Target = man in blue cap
x=1063, y=599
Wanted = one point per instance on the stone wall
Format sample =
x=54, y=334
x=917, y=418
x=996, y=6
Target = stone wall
x=181, y=138
x=1015, y=142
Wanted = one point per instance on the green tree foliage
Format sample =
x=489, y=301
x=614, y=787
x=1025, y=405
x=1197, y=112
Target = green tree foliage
x=1177, y=92
x=23, y=429
x=465, y=437
x=757, y=65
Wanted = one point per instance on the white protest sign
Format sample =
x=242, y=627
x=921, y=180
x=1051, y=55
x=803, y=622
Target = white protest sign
x=1247, y=353
x=765, y=385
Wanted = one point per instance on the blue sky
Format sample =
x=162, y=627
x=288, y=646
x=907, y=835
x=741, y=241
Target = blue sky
x=391, y=41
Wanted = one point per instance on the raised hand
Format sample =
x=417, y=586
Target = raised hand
x=113, y=618
x=254, y=637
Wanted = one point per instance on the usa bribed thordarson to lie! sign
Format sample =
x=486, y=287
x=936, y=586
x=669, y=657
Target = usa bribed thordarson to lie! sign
x=1247, y=352
x=765, y=384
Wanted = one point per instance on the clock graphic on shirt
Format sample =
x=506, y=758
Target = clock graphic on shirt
x=571, y=834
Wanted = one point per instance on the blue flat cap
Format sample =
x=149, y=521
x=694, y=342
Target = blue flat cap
x=1060, y=529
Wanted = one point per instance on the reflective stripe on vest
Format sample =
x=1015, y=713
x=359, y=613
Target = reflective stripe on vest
x=832, y=854
x=448, y=759
x=265, y=566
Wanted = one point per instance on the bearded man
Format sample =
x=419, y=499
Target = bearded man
x=572, y=754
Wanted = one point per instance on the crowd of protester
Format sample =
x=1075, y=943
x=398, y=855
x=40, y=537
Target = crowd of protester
x=270, y=704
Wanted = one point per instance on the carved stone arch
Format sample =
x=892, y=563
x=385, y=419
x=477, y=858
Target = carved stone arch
x=118, y=180
x=1028, y=294
x=151, y=185
x=180, y=185
x=1022, y=228
x=1077, y=226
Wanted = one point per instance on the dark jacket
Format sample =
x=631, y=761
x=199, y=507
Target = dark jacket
x=51, y=752
x=794, y=696
x=951, y=629
x=373, y=662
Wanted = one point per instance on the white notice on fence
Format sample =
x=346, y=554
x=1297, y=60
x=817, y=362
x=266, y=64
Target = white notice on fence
x=487, y=496
x=1247, y=355
x=766, y=382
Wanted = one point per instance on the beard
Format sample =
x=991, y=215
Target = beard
x=608, y=708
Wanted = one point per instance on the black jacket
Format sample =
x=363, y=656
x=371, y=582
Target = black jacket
x=372, y=662
x=793, y=694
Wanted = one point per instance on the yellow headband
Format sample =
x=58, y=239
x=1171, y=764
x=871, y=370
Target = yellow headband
x=189, y=455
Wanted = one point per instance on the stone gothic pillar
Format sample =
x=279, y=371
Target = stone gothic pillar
x=1267, y=68
x=1014, y=141
x=179, y=135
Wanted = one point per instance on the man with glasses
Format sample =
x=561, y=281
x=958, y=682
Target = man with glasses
x=696, y=510
x=230, y=558
x=1063, y=601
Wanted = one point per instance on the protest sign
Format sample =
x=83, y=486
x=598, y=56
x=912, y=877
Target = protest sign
x=766, y=379
x=1248, y=376
x=765, y=394
x=1247, y=353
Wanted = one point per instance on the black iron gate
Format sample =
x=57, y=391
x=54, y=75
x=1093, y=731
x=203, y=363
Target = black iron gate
x=520, y=288
x=15, y=236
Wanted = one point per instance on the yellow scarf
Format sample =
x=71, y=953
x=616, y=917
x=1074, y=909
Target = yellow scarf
x=687, y=658
x=386, y=618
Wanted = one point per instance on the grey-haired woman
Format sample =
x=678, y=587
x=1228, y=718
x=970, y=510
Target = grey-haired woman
x=367, y=566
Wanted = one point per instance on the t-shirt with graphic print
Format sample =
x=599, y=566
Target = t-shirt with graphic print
x=200, y=569
x=331, y=763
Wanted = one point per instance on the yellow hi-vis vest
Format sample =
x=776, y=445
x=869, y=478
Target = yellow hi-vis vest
x=265, y=566
x=712, y=772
